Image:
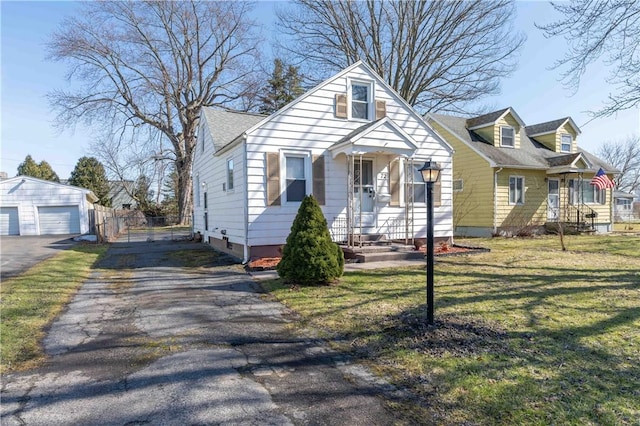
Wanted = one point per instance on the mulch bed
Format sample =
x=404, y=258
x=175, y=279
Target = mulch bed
x=270, y=263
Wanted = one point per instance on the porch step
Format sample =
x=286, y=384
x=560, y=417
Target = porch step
x=377, y=253
x=389, y=255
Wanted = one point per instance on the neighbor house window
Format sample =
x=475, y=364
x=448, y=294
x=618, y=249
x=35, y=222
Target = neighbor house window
x=507, y=136
x=360, y=101
x=458, y=185
x=296, y=179
x=229, y=175
x=582, y=192
x=516, y=190
x=565, y=144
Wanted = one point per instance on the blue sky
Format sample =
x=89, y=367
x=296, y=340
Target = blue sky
x=27, y=120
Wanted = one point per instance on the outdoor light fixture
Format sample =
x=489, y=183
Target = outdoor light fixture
x=430, y=174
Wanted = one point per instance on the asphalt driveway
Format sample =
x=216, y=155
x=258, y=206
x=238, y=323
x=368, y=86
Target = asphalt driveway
x=19, y=253
x=148, y=340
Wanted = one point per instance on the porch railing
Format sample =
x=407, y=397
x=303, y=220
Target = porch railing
x=582, y=217
x=338, y=230
x=398, y=228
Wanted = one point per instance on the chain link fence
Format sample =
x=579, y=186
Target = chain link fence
x=133, y=225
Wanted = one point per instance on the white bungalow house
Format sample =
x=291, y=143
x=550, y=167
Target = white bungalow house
x=352, y=142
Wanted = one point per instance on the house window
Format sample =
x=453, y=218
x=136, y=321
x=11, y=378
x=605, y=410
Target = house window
x=516, y=190
x=360, y=101
x=507, y=136
x=458, y=185
x=565, y=144
x=296, y=180
x=229, y=175
x=197, y=191
x=582, y=192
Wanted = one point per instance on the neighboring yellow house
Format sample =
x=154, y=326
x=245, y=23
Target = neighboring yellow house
x=514, y=179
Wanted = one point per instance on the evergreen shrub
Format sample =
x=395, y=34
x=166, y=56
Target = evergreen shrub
x=310, y=257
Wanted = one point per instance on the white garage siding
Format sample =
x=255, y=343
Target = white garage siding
x=59, y=220
x=9, y=223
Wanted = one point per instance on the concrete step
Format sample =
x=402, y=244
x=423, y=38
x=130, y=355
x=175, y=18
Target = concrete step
x=388, y=255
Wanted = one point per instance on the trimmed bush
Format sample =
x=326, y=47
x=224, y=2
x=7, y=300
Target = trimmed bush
x=310, y=257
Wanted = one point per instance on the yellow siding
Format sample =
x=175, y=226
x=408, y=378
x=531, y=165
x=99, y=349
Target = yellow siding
x=548, y=140
x=507, y=120
x=566, y=129
x=473, y=206
x=534, y=210
x=486, y=133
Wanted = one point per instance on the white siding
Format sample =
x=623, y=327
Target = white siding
x=30, y=194
x=311, y=126
x=225, y=208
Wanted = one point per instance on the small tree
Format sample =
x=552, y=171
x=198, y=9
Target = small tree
x=89, y=173
x=40, y=170
x=310, y=257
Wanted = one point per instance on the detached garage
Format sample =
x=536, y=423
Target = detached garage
x=31, y=206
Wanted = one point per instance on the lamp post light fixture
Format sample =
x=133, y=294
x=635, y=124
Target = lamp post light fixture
x=430, y=174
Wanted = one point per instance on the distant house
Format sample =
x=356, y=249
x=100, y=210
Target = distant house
x=30, y=206
x=623, y=206
x=351, y=142
x=119, y=191
x=512, y=178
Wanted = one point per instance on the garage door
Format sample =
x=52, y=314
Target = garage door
x=59, y=220
x=9, y=223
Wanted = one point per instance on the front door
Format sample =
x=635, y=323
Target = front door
x=364, y=193
x=553, y=201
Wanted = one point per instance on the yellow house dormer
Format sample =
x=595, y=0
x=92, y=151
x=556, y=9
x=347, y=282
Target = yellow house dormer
x=558, y=135
x=499, y=128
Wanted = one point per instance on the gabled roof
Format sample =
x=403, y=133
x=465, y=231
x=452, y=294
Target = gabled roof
x=226, y=126
x=367, y=139
x=264, y=119
x=19, y=179
x=490, y=118
x=551, y=127
x=530, y=155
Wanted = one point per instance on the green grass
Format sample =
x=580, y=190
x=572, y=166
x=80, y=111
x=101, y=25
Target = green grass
x=525, y=334
x=32, y=300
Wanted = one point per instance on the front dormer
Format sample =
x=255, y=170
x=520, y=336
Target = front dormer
x=500, y=128
x=557, y=135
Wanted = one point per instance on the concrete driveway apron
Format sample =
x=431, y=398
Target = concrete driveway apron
x=149, y=341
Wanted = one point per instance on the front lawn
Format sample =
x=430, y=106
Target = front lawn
x=525, y=334
x=32, y=300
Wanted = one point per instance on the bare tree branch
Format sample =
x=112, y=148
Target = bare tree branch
x=601, y=29
x=154, y=64
x=438, y=55
x=624, y=155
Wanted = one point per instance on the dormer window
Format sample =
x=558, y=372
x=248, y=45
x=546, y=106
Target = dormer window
x=565, y=143
x=360, y=100
x=507, y=136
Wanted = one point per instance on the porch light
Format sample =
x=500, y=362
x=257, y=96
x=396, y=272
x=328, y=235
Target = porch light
x=430, y=174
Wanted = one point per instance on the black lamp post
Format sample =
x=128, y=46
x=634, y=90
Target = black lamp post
x=430, y=174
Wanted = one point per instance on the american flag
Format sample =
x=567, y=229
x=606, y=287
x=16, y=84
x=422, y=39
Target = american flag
x=601, y=181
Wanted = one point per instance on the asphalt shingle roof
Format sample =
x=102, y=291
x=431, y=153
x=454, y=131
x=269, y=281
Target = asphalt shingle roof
x=226, y=126
x=549, y=126
x=485, y=118
x=531, y=153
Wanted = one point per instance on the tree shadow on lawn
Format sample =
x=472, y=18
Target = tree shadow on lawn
x=584, y=370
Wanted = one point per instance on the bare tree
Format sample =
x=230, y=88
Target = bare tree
x=438, y=55
x=603, y=29
x=624, y=155
x=153, y=65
